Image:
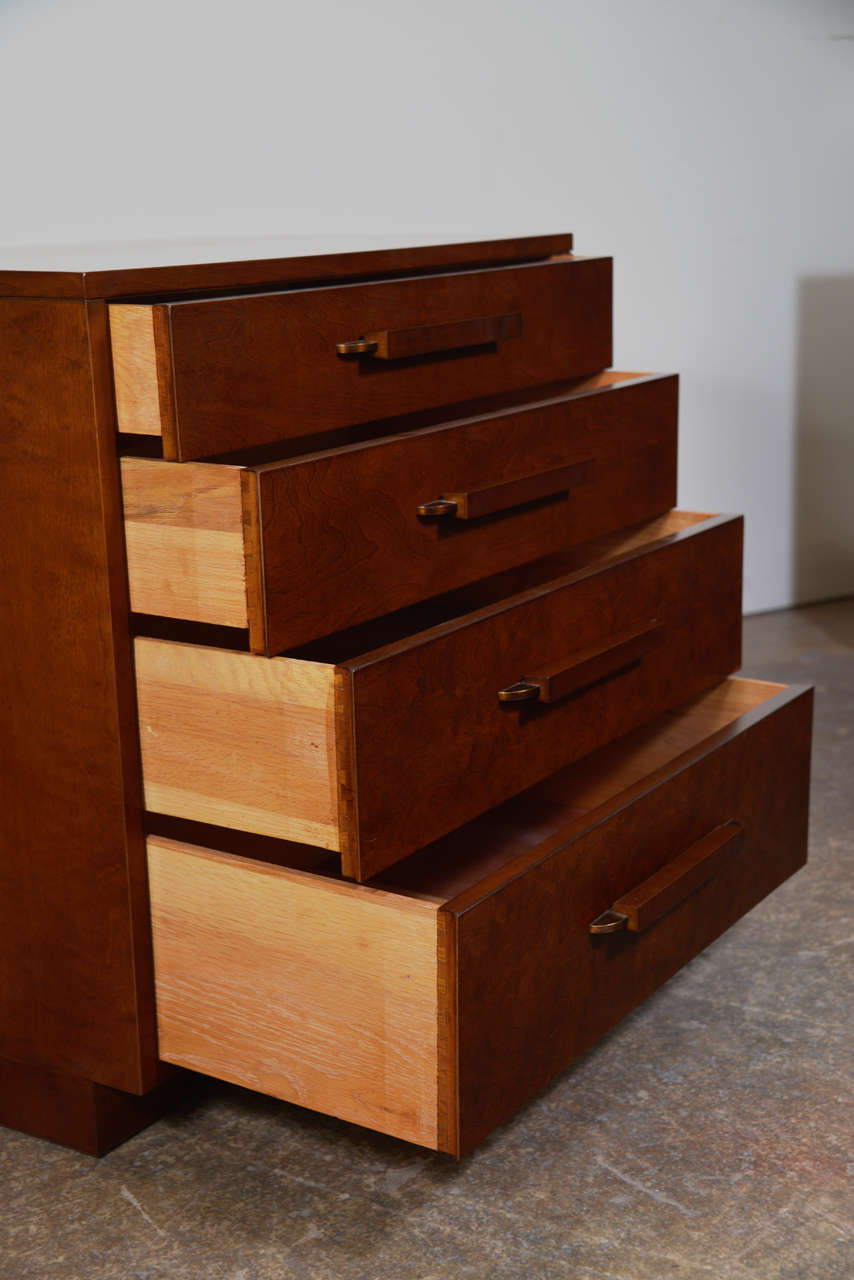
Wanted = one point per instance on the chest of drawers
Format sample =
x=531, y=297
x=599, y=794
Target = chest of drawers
x=368, y=732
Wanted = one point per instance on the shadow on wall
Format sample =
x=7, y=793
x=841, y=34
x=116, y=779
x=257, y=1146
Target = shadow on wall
x=824, y=465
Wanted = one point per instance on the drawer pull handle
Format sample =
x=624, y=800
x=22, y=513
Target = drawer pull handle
x=649, y=901
x=430, y=339
x=358, y=347
x=585, y=669
x=510, y=493
x=521, y=691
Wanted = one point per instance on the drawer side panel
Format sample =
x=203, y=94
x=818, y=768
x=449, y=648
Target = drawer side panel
x=236, y=741
x=319, y=993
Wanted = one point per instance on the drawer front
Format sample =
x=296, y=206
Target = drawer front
x=346, y=536
x=216, y=375
x=425, y=743
x=537, y=988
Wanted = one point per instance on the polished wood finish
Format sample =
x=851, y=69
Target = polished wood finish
x=429, y=339
x=76, y=991
x=468, y=970
x=334, y=538
x=581, y=670
x=239, y=741
x=536, y=989
x=160, y=267
x=429, y=727
x=322, y=993
x=184, y=541
x=490, y=499
x=77, y=1112
x=241, y=371
x=462, y=607
x=644, y=905
x=363, y=754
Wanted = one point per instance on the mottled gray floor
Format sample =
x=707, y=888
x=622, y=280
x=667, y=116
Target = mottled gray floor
x=705, y=1137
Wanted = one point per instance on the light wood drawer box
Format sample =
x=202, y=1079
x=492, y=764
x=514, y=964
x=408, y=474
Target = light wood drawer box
x=432, y=1003
x=299, y=548
x=378, y=740
x=213, y=375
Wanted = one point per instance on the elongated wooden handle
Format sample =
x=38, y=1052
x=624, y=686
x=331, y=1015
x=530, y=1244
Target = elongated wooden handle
x=511, y=493
x=584, y=669
x=427, y=339
x=649, y=901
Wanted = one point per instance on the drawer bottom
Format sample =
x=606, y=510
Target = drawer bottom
x=431, y=1002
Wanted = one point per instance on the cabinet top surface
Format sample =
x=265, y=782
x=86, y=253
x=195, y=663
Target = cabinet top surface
x=148, y=267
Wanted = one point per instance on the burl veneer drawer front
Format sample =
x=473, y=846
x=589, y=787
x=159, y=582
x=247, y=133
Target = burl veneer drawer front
x=220, y=374
x=300, y=548
x=432, y=1003
x=375, y=751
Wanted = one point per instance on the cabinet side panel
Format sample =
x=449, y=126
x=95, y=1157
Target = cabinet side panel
x=70, y=991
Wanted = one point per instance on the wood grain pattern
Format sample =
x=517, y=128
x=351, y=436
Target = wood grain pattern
x=345, y=520
x=536, y=989
x=430, y=702
x=317, y=992
x=427, y=339
x=135, y=370
x=489, y=850
x=75, y=986
x=255, y=369
x=592, y=666
x=646, y=903
x=184, y=541
x=238, y=741
x=157, y=267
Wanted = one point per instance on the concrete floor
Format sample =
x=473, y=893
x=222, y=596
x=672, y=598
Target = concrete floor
x=704, y=1138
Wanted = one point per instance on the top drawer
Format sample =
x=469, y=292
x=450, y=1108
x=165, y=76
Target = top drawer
x=218, y=374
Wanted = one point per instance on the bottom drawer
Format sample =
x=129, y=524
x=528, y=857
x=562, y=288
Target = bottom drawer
x=431, y=1002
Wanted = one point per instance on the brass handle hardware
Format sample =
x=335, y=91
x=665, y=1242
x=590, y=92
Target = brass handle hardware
x=610, y=921
x=521, y=691
x=438, y=507
x=584, y=669
x=493, y=498
x=653, y=898
x=429, y=339
x=358, y=347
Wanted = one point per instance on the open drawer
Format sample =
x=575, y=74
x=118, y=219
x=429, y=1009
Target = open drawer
x=380, y=739
x=303, y=546
x=432, y=1002
x=215, y=374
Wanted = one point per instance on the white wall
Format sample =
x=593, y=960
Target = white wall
x=707, y=144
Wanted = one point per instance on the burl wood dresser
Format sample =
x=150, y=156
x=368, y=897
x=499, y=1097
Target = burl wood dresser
x=369, y=735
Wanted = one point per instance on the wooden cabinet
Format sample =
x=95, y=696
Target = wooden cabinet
x=368, y=733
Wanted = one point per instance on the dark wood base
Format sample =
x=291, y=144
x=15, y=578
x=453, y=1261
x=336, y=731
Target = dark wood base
x=78, y=1113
